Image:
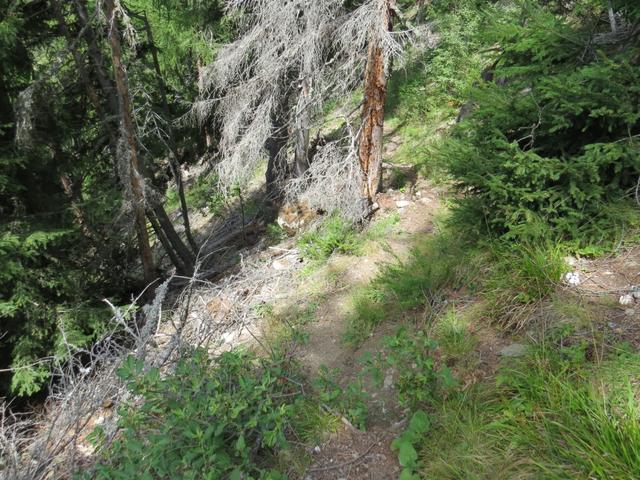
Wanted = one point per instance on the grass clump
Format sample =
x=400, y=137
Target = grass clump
x=548, y=415
x=332, y=235
x=434, y=267
x=452, y=332
x=521, y=277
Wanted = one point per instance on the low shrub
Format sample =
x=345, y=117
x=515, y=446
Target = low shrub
x=553, y=138
x=206, y=420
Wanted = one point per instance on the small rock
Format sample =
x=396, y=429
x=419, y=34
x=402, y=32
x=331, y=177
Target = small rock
x=402, y=203
x=626, y=300
x=388, y=382
x=630, y=312
x=514, y=350
x=612, y=325
x=571, y=261
x=572, y=278
x=424, y=200
x=284, y=263
x=316, y=449
x=636, y=293
x=418, y=193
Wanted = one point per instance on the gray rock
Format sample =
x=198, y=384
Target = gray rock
x=626, y=300
x=402, y=203
x=388, y=382
x=514, y=350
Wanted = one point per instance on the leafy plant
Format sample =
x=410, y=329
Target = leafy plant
x=421, y=380
x=348, y=400
x=406, y=445
x=205, y=420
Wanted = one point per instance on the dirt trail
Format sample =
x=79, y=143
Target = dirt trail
x=326, y=334
x=350, y=453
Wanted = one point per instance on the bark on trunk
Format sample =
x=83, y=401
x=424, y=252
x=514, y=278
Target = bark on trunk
x=208, y=137
x=186, y=256
x=71, y=190
x=375, y=93
x=97, y=59
x=164, y=240
x=173, y=154
x=301, y=154
x=128, y=132
x=276, y=150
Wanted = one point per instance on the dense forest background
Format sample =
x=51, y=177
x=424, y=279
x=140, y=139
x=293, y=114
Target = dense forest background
x=115, y=138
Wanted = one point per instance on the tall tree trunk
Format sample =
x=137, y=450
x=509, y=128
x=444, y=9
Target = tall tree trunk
x=128, y=132
x=375, y=94
x=72, y=192
x=302, y=123
x=208, y=137
x=612, y=17
x=173, y=154
x=164, y=240
x=276, y=145
x=187, y=257
x=97, y=59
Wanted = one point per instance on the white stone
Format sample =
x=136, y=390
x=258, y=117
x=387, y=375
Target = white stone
x=572, y=278
x=626, y=300
x=402, y=203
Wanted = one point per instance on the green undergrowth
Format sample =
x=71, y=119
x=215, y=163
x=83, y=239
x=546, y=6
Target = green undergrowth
x=336, y=235
x=238, y=416
x=203, y=192
x=427, y=89
x=552, y=414
x=511, y=279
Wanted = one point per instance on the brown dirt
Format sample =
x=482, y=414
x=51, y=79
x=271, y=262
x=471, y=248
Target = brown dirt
x=349, y=453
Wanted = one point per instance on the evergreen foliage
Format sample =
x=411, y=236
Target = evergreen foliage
x=553, y=136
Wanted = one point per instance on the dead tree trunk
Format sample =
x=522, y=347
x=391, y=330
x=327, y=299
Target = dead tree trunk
x=208, y=137
x=375, y=94
x=171, y=144
x=128, y=132
x=276, y=147
x=302, y=124
x=97, y=59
